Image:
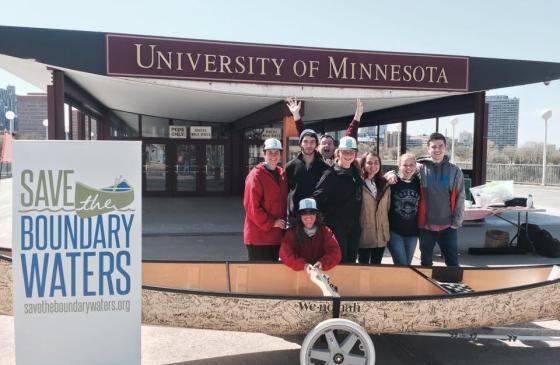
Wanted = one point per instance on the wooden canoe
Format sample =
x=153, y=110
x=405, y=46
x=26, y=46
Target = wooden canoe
x=271, y=298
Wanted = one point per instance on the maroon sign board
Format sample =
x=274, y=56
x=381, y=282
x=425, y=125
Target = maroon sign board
x=153, y=57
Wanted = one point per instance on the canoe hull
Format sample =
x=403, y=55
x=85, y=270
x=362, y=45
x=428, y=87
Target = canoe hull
x=285, y=315
x=457, y=312
x=5, y=286
x=275, y=316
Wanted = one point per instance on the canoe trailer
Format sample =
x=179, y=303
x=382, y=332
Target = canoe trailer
x=349, y=343
x=341, y=341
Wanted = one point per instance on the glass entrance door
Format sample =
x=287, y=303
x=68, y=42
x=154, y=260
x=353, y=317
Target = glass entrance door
x=199, y=169
x=215, y=168
x=187, y=168
x=155, y=167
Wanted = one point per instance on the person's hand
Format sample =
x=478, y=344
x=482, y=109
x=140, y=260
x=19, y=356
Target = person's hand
x=359, y=110
x=318, y=265
x=329, y=161
x=391, y=177
x=279, y=223
x=294, y=107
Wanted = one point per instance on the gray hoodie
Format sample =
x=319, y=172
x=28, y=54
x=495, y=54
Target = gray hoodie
x=442, y=193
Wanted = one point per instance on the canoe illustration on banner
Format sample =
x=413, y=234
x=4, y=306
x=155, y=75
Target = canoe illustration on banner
x=91, y=201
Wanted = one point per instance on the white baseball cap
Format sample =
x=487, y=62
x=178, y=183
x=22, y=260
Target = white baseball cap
x=307, y=204
x=272, y=144
x=348, y=143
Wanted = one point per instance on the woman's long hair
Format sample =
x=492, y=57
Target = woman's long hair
x=378, y=178
x=301, y=236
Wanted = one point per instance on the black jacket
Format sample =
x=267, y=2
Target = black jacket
x=301, y=181
x=339, y=195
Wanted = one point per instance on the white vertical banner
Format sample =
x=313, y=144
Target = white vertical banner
x=77, y=252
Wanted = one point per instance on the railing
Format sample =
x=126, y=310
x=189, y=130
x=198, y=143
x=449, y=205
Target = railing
x=523, y=174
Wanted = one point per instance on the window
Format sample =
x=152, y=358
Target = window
x=458, y=131
x=254, y=140
x=87, y=127
x=67, y=121
x=389, y=144
x=417, y=135
x=124, y=124
x=93, y=124
x=367, y=140
x=219, y=131
x=155, y=126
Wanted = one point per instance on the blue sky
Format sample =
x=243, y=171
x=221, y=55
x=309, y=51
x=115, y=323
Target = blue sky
x=498, y=29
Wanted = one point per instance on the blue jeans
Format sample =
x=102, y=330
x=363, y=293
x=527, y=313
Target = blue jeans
x=348, y=238
x=447, y=242
x=402, y=248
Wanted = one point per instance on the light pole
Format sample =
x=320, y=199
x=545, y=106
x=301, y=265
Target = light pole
x=545, y=114
x=10, y=115
x=453, y=123
x=46, y=125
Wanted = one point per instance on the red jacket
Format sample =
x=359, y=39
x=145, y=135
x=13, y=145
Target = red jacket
x=321, y=247
x=265, y=200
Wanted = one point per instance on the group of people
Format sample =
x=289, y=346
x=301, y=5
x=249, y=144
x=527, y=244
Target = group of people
x=328, y=205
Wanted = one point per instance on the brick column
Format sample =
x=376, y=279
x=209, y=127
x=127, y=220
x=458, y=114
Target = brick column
x=55, y=99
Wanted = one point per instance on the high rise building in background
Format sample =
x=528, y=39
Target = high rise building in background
x=391, y=139
x=503, y=120
x=417, y=141
x=31, y=111
x=8, y=102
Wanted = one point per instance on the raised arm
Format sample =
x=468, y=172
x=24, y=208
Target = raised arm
x=295, y=107
x=352, y=129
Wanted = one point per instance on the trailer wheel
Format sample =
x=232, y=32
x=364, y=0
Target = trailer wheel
x=337, y=341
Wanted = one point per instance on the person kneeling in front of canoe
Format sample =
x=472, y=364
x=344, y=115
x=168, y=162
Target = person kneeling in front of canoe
x=265, y=201
x=310, y=242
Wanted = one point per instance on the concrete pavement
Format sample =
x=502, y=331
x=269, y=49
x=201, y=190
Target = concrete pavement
x=167, y=345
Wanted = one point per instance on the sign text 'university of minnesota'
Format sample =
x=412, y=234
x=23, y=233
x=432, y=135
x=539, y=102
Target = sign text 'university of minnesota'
x=237, y=62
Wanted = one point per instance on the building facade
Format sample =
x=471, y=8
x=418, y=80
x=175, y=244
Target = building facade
x=503, y=120
x=31, y=112
x=202, y=109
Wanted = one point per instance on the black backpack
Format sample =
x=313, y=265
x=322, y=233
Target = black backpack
x=542, y=241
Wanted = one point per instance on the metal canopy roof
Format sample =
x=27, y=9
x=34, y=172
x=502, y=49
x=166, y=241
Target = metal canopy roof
x=29, y=52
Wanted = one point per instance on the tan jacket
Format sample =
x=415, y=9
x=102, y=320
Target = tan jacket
x=374, y=218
